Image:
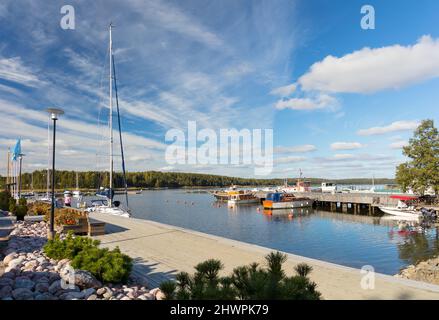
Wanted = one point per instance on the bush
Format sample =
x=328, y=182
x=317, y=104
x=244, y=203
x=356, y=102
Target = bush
x=4, y=200
x=69, y=248
x=246, y=283
x=12, y=205
x=106, y=265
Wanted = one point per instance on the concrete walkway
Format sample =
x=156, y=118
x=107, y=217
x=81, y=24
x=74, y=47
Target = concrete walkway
x=161, y=250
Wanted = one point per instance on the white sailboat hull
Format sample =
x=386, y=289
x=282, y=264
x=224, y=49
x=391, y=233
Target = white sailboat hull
x=114, y=211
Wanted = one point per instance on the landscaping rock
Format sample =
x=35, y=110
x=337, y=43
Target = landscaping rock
x=22, y=294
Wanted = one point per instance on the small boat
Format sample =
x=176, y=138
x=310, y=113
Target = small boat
x=101, y=206
x=329, y=187
x=301, y=185
x=279, y=200
x=223, y=195
x=402, y=209
x=242, y=198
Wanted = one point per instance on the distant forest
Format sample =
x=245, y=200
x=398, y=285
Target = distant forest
x=156, y=179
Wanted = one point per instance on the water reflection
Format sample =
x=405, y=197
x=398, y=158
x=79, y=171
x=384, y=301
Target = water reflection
x=343, y=238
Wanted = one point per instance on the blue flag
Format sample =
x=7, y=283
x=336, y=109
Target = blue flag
x=17, y=150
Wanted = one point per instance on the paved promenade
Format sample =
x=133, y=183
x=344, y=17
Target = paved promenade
x=161, y=250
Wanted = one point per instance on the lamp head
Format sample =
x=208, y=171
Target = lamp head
x=54, y=112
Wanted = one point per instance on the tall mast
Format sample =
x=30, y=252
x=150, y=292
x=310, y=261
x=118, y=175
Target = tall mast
x=48, y=160
x=8, y=171
x=111, y=119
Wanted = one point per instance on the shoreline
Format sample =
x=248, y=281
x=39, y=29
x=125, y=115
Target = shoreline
x=173, y=249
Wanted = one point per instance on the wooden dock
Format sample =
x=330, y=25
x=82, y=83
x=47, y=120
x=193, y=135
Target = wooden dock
x=346, y=202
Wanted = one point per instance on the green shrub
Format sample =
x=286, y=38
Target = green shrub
x=106, y=265
x=12, y=205
x=246, y=282
x=4, y=200
x=69, y=248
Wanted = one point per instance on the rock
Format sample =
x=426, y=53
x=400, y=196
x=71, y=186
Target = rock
x=45, y=296
x=15, y=262
x=22, y=294
x=24, y=282
x=154, y=291
x=108, y=294
x=125, y=298
x=82, y=278
x=88, y=292
x=42, y=287
x=5, y=292
x=425, y=271
x=160, y=295
x=9, y=258
x=148, y=296
x=101, y=291
x=71, y=295
x=31, y=264
x=92, y=297
x=55, y=286
x=6, y=282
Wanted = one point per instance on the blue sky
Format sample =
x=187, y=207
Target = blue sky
x=341, y=100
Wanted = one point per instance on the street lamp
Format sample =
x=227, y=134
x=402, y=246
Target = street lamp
x=20, y=158
x=54, y=114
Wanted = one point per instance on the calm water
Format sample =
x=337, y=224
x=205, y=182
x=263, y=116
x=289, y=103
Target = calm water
x=344, y=239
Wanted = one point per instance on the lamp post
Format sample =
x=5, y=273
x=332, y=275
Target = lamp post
x=20, y=158
x=54, y=114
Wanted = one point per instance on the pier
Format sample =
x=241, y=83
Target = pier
x=355, y=203
x=160, y=251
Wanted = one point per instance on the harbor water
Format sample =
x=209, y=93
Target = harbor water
x=346, y=239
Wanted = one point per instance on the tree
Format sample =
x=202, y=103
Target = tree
x=422, y=170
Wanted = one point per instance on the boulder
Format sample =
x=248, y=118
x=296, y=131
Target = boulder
x=9, y=258
x=16, y=262
x=5, y=292
x=88, y=292
x=83, y=279
x=22, y=294
x=45, y=296
x=24, y=282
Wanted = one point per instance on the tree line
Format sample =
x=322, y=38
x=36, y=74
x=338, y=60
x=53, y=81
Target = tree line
x=156, y=179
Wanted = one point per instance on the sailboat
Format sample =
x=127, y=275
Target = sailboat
x=109, y=206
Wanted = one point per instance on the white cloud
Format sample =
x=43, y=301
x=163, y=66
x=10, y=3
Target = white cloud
x=289, y=159
x=346, y=145
x=295, y=149
x=393, y=127
x=398, y=144
x=370, y=70
x=13, y=69
x=322, y=101
x=284, y=91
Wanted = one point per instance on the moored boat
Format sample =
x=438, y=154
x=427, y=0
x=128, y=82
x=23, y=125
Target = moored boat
x=402, y=209
x=279, y=200
x=242, y=198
